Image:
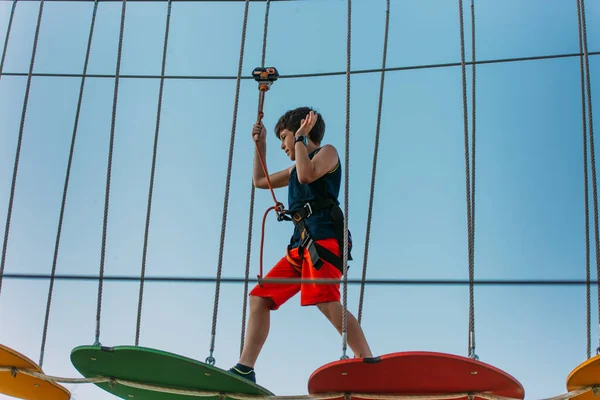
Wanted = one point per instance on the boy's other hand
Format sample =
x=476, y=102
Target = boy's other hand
x=307, y=124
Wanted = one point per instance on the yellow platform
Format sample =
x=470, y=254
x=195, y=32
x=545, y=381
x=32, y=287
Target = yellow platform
x=24, y=386
x=584, y=375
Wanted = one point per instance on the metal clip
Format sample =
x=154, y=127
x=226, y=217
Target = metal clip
x=265, y=77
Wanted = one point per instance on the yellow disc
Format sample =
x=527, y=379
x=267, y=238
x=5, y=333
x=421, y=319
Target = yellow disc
x=585, y=375
x=23, y=386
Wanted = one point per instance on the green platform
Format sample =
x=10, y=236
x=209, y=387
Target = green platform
x=155, y=367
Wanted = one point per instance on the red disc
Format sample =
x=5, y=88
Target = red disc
x=413, y=373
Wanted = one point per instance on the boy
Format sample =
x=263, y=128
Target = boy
x=314, y=178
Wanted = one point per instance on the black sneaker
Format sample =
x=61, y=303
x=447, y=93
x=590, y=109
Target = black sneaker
x=245, y=372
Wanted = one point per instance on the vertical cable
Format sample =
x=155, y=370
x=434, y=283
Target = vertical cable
x=252, y=193
x=8, y=30
x=20, y=139
x=469, y=195
x=585, y=192
x=346, y=176
x=66, y=186
x=592, y=147
x=108, y=174
x=473, y=130
x=152, y=173
x=374, y=170
x=210, y=359
x=472, y=249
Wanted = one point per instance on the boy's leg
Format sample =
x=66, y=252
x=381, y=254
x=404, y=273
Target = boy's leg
x=356, y=339
x=264, y=299
x=327, y=299
x=259, y=321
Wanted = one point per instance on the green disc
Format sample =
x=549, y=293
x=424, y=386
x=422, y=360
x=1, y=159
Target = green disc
x=158, y=368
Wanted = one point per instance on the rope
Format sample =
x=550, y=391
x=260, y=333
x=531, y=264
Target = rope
x=66, y=186
x=252, y=193
x=146, y=1
x=108, y=173
x=152, y=173
x=265, y=31
x=14, y=371
x=585, y=192
x=212, y=279
x=210, y=359
x=20, y=139
x=470, y=197
x=346, y=183
x=241, y=396
x=591, y=135
x=247, y=271
x=278, y=205
x=471, y=271
x=573, y=393
x=306, y=75
x=8, y=30
x=473, y=106
x=374, y=170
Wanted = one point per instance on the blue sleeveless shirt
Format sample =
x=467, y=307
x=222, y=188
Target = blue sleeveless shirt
x=319, y=225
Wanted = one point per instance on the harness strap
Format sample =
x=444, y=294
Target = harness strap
x=318, y=253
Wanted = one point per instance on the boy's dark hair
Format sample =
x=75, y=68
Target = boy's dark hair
x=292, y=119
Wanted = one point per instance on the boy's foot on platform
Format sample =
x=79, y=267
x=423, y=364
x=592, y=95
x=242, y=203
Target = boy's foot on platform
x=245, y=372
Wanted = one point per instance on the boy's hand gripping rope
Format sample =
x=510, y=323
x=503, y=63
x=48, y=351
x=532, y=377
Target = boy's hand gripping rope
x=265, y=78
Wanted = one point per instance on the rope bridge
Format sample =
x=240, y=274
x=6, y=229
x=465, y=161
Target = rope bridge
x=20, y=376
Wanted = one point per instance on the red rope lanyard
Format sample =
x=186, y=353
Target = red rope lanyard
x=265, y=76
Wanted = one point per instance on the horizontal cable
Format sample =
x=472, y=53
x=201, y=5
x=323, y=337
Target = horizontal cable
x=113, y=381
x=308, y=75
x=452, y=282
x=151, y=1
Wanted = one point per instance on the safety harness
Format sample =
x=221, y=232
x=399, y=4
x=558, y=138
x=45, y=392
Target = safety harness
x=318, y=253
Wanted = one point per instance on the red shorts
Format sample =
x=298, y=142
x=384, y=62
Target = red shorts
x=291, y=266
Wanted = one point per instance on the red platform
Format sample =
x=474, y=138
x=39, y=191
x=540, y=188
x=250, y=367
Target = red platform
x=413, y=373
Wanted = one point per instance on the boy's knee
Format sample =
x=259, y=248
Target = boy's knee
x=260, y=303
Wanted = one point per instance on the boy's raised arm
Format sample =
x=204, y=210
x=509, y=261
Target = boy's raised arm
x=325, y=161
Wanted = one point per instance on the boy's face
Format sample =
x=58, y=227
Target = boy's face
x=287, y=143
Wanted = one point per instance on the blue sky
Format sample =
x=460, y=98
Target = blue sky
x=529, y=193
